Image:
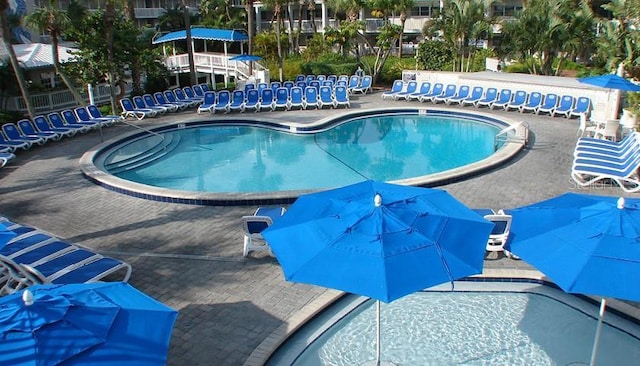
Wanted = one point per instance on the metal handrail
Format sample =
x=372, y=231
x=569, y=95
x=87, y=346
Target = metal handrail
x=508, y=134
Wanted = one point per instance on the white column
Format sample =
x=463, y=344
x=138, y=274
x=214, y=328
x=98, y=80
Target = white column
x=258, y=19
x=324, y=16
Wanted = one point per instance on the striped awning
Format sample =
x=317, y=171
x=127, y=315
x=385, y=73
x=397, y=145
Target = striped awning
x=210, y=34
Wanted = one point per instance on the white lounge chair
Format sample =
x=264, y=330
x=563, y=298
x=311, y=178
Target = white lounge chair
x=253, y=225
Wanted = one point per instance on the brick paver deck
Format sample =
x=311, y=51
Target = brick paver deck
x=190, y=257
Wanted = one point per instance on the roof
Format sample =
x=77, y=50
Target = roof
x=35, y=55
x=210, y=34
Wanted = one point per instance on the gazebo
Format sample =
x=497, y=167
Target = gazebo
x=206, y=62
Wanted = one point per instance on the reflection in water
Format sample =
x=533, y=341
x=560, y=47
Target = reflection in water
x=250, y=159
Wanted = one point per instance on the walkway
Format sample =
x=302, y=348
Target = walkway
x=189, y=257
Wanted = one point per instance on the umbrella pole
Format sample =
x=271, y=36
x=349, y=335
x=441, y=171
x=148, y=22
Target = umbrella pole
x=594, y=352
x=378, y=333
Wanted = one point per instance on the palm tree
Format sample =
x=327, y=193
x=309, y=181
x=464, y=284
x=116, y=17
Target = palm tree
x=54, y=21
x=6, y=36
x=402, y=6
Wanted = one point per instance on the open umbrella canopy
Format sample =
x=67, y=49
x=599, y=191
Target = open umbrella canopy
x=611, y=81
x=379, y=240
x=245, y=57
x=84, y=324
x=585, y=244
x=5, y=235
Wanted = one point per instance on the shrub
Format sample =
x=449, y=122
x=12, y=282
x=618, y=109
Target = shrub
x=434, y=55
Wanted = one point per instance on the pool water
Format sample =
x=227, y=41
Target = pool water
x=466, y=328
x=252, y=159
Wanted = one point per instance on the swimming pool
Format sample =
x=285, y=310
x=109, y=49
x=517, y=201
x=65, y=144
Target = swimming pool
x=256, y=159
x=482, y=323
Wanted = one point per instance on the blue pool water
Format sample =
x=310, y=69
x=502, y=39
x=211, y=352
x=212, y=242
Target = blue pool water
x=253, y=159
x=521, y=324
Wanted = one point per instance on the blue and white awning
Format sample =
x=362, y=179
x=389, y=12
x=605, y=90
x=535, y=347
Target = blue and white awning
x=210, y=34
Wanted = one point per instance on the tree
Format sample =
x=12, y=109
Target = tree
x=461, y=21
x=402, y=6
x=6, y=36
x=54, y=21
x=277, y=6
x=619, y=41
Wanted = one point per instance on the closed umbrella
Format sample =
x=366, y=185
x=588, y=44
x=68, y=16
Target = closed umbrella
x=586, y=244
x=379, y=240
x=84, y=324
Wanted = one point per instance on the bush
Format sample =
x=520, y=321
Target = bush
x=434, y=55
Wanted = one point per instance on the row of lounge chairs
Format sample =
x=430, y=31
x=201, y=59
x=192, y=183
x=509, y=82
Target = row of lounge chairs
x=603, y=161
x=34, y=256
x=283, y=98
x=355, y=83
x=507, y=99
x=26, y=133
x=159, y=103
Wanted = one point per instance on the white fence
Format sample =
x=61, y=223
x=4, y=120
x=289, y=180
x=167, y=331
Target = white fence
x=62, y=99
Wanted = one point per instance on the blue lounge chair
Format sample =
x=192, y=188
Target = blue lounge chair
x=328, y=83
x=288, y=84
x=208, y=103
x=354, y=81
x=365, y=85
x=519, y=99
x=321, y=78
x=182, y=97
x=237, y=101
x=344, y=78
x=152, y=103
x=95, y=113
x=425, y=86
x=548, y=105
x=56, y=120
x=463, y=93
x=12, y=145
x=332, y=78
x=83, y=116
x=223, y=101
x=139, y=103
x=261, y=87
x=129, y=110
x=253, y=100
x=190, y=94
x=311, y=97
x=43, y=125
x=396, y=88
x=315, y=84
x=162, y=99
x=476, y=94
x=301, y=84
x=28, y=129
x=5, y=157
x=489, y=98
x=534, y=101
x=199, y=91
x=266, y=99
x=437, y=90
x=448, y=92
x=326, y=97
x=341, y=97
x=205, y=87
x=300, y=78
x=583, y=106
x=12, y=132
x=248, y=86
x=70, y=118
x=565, y=106
x=296, y=98
x=310, y=78
x=282, y=99
x=504, y=98
x=412, y=86
x=274, y=86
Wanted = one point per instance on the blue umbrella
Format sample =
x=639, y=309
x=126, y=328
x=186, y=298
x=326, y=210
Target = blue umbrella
x=245, y=57
x=84, y=324
x=585, y=244
x=379, y=240
x=611, y=81
x=5, y=235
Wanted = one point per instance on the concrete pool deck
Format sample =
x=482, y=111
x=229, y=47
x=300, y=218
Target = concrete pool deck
x=190, y=257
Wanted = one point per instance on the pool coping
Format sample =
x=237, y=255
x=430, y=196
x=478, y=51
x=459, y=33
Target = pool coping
x=270, y=344
x=99, y=176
